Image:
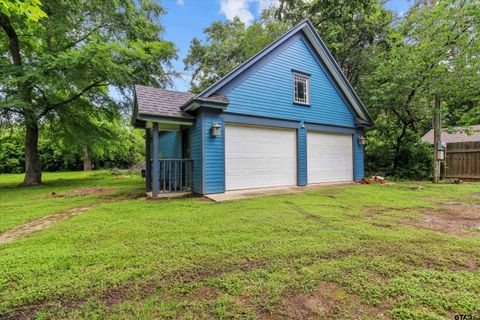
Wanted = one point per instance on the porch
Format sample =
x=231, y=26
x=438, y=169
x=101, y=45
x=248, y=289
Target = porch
x=170, y=178
x=165, y=178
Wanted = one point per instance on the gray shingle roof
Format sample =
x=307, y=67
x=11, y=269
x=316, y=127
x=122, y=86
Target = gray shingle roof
x=161, y=102
x=167, y=103
x=459, y=134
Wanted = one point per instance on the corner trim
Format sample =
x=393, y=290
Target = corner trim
x=354, y=157
x=202, y=137
x=224, y=132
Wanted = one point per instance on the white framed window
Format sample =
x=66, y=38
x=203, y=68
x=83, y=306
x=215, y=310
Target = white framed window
x=301, y=89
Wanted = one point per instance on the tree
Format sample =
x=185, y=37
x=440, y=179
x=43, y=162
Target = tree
x=432, y=49
x=228, y=44
x=63, y=67
x=350, y=29
x=62, y=148
x=113, y=140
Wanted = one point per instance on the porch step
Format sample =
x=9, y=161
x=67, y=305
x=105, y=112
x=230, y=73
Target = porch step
x=169, y=195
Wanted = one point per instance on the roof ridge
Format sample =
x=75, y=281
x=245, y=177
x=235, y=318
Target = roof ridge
x=163, y=89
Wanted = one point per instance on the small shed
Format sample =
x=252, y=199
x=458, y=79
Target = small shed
x=463, y=151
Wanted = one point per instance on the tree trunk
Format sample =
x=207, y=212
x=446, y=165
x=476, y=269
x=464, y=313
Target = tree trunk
x=397, y=155
x=87, y=159
x=436, y=138
x=33, y=172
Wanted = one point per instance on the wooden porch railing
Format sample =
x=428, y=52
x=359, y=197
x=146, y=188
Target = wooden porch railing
x=175, y=175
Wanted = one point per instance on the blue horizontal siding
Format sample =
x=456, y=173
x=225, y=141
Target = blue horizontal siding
x=302, y=156
x=269, y=90
x=359, y=157
x=213, y=157
x=195, y=141
x=170, y=145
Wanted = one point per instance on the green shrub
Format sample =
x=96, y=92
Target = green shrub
x=414, y=160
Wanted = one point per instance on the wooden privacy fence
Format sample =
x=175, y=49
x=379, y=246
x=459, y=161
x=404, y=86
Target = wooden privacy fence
x=463, y=160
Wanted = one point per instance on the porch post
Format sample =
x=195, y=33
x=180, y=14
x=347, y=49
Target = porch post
x=156, y=163
x=148, y=160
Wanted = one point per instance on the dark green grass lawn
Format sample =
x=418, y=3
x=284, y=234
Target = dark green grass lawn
x=361, y=252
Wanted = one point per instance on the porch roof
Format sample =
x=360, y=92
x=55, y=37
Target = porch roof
x=161, y=102
x=151, y=103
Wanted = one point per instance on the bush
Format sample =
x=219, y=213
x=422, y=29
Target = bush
x=414, y=161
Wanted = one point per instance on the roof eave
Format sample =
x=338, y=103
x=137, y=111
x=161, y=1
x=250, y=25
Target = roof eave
x=135, y=108
x=194, y=104
x=352, y=95
x=360, y=123
x=165, y=118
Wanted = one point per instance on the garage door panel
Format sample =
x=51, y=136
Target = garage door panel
x=329, y=157
x=257, y=157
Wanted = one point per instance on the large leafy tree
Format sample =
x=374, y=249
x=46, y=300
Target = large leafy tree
x=61, y=60
x=433, y=49
x=351, y=29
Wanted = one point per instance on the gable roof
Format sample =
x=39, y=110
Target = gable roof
x=161, y=102
x=166, y=103
x=458, y=134
x=307, y=28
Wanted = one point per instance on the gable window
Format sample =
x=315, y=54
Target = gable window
x=302, y=90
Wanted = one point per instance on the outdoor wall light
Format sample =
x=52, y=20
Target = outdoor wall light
x=440, y=151
x=215, y=130
x=362, y=140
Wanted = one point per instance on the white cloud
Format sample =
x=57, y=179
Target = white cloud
x=180, y=2
x=242, y=8
x=237, y=8
x=265, y=4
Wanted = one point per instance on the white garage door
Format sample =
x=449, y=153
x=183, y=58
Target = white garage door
x=330, y=157
x=258, y=157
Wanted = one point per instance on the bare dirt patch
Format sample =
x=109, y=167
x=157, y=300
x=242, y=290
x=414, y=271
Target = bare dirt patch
x=197, y=273
x=451, y=217
x=206, y=292
x=84, y=192
x=329, y=301
x=39, y=224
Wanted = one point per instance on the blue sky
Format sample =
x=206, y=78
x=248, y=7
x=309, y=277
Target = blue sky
x=186, y=19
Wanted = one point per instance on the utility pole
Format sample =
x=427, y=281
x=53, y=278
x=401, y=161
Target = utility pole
x=437, y=128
